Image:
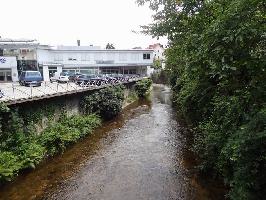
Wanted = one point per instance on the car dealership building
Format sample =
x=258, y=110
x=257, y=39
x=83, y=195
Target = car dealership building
x=21, y=55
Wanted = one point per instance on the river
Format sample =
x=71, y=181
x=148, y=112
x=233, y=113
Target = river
x=141, y=154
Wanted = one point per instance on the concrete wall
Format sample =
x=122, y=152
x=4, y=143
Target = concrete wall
x=70, y=104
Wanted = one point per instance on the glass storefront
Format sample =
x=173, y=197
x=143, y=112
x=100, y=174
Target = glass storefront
x=52, y=70
x=24, y=65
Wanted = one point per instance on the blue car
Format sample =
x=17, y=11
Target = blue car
x=30, y=78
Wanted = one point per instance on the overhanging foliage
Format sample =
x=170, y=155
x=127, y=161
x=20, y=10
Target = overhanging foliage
x=216, y=59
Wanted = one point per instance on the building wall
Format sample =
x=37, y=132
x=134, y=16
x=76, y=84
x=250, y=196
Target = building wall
x=98, y=58
x=9, y=64
x=94, y=61
x=44, y=56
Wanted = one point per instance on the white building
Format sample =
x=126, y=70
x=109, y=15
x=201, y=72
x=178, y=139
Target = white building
x=93, y=60
x=30, y=55
x=158, y=53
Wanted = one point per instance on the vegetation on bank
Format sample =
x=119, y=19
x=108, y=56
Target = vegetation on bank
x=160, y=77
x=216, y=60
x=21, y=148
x=142, y=87
x=106, y=102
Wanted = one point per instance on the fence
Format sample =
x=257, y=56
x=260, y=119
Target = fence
x=15, y=92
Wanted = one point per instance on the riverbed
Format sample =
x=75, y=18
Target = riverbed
x=141, y=154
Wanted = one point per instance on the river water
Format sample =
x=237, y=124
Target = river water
x=141, y=154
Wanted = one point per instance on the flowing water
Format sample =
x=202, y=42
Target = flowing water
x=141, y=154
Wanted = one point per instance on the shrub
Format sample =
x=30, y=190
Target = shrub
x=30, y=154
x=85, y=124
x=67, y=131
x=56, y=137
x=106, y=102
x=9, y=165
x=143, y=86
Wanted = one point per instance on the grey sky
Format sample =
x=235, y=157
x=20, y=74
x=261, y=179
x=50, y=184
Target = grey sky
x=94, y=22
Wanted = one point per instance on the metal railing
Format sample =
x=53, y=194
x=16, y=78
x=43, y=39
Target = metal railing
x=15, y=92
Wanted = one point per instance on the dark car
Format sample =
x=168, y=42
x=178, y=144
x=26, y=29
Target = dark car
x=87, y=80
x=30, y=78
x=75, y=77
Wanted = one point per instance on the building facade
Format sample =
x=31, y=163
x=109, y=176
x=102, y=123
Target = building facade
x=30, y=55
x=158, y=53
x=92, y=60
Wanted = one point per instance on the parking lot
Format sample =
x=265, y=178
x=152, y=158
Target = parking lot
x=14, y=91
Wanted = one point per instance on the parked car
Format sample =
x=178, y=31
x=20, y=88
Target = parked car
x=30, y=78
x=62, y=77
x=86, y=80
x=75, y=77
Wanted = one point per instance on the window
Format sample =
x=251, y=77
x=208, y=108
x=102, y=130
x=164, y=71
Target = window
x=146, y=56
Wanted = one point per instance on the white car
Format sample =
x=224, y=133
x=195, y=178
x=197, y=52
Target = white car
x=63, y=77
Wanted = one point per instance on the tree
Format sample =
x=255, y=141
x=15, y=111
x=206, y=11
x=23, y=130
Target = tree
x=216, y=59
x=109, y=46
x=157, y=63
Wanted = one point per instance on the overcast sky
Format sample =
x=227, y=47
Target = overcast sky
x=58, y=22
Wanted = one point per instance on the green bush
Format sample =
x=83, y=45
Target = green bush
x=85, y=124
x=30, y=154
x=9, y=166
x=106, y=102
x=143, y=86
x=67, y=131
x=56, y=137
